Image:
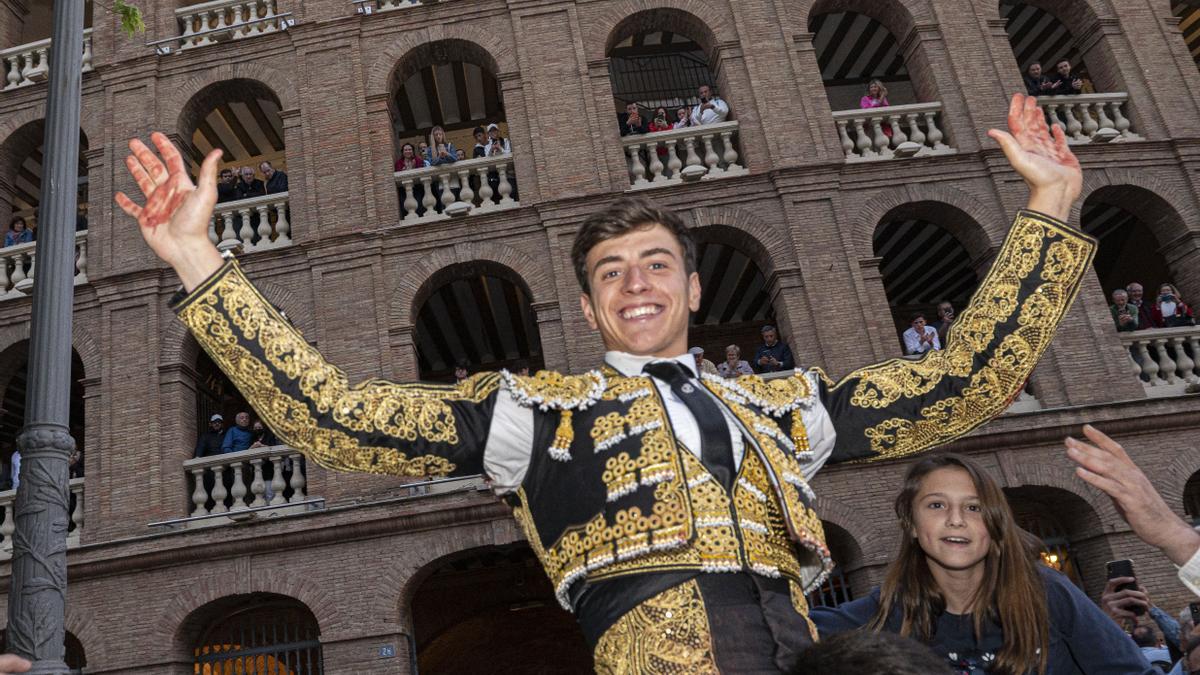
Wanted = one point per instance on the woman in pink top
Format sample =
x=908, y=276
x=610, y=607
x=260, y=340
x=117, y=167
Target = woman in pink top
x=876, y=98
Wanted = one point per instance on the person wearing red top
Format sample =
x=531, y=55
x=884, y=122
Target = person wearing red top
x=1169, y=310
x=660, y=123
x=410, y=159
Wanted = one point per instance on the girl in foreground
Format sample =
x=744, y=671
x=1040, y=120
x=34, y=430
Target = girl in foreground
x=966, y=584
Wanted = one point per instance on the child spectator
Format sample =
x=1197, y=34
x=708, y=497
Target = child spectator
x=682, y=119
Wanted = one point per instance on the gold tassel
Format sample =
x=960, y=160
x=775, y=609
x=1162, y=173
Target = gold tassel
x=560, y=449
x=799, y=432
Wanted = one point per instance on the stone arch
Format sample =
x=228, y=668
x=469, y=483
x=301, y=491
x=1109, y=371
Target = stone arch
x=1167, y=212
x=699, y=19
x=876, y=550
x=403, y=310
x=83, y=626
x=395, y=53
x=1062, y=477
x=89, y=122
x=987, y=229
x=1178, y=472
x=87, y=349
x=898, y=16
x=769, y=245
x=404, y=582
x=177, y=96
x=173, y=624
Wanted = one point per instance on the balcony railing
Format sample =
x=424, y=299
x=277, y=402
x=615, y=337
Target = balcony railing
x=1090, y=118
x=371, y=6
x=270, y=480
x=8, y=523
x=28, y=64
x=222, y=20
x=467, y=187
x=18, y=263
x=691, y=153
x=254, y=224
x=1167, y=360
x=915, y=132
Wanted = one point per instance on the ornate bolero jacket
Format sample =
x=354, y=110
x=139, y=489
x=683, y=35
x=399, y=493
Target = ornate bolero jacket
x=609, y=491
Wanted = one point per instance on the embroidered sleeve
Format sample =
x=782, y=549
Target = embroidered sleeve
x=901, y=406
x=373, y=427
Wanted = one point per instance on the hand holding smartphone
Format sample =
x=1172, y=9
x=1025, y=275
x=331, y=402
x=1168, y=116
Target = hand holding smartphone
x=1124, y=568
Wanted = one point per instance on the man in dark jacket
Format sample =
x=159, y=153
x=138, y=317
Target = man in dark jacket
x=1035, y=82
x=773, y=355
x=227, y=187
x=276, y=181
x=248, y=186
x=238, y=437
x=209, y=443
x=633, y=122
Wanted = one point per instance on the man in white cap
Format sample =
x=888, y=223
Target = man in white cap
x=703, y=364
x=497, y=144
x=209, y=443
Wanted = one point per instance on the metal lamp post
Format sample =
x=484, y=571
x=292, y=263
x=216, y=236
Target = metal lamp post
x=37, y=595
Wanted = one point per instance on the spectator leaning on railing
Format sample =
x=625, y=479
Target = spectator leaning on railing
x=209, y=443
x=682, y=119
x=1169, y=310
x=711, y=109
x=733, y=365
x=920, y=338
x=1124, y=314
x=1035, y=82
x=227, y=186
x=248, y=186
x=773, y=355
x=409, y=158
x=274, y=181
x=17, y=233
x=633, y=123
x=1135, y=291
x=1062, y=83
x=239, y=436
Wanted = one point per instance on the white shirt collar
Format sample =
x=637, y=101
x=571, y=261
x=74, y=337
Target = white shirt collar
x=630, y=365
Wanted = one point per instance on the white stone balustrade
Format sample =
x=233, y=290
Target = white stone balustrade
x=18, y=265
x=239, y=481
x=388, y=5
x=1167, y=360
x=1090, y=118
x=212, y=22
x=423, y=192
x=8, y=523
x=28, y=64
x=254, y=224
x=692, y=153
x=916, y=132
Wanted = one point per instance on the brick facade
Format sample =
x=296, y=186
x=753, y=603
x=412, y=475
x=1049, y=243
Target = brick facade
x=353, y=277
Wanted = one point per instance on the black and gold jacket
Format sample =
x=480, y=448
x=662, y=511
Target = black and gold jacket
x=609, y=492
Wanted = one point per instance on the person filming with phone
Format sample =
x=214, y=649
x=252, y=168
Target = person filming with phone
x=711, y=109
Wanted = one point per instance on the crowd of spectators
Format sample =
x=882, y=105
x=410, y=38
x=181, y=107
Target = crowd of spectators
x=1062, y=82
x=243, y=435
x=922, y=337
x=1131, y=311
x=236, y=183
x=710, y=108
x=440, y=151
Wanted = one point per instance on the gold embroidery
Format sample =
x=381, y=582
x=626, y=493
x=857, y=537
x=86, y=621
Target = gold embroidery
x=800, y=604
x=774, y=397
x=549, y=389
x=230, y=307
x=883, y=384
x=993, y=386
x=667, y=633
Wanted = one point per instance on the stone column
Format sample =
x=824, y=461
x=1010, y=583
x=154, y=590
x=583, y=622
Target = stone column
x=404, y=353
x=384, y=209
x=300, y=191
x=550, y=330
x=37, y=597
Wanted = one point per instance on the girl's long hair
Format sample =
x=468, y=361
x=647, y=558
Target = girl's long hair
x=1012, y=593
x=882, y=89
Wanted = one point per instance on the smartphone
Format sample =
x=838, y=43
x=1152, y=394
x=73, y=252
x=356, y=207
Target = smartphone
x=1194, y=608
x=1124, y=568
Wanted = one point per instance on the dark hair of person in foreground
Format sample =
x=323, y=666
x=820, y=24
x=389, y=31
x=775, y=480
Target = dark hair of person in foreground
x=866, y=652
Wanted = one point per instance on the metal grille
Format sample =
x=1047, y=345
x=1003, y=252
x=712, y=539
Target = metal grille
x=266, y=640
x=1038, y=35
x=669, y=80
x=833, y=592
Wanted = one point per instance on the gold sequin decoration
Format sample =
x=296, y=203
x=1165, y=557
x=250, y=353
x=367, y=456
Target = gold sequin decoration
x=1066, y=259
x=230, y=307
x=800, y=604
x=667, y=633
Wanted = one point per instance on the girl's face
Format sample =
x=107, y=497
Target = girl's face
x=873, y=90
x=948, y=521
x=408, y=152
x=439, y=136
x=681, y=114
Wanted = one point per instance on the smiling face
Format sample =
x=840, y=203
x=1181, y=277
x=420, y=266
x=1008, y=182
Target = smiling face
x=948, y=522
x=732, y=356
x=641, y=293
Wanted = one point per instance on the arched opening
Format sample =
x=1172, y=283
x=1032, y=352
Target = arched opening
x=735, y=297
x=253, y=633
x=1191, y=498
x=241, y=118
x=75, y=656
x=1132, y=224
x=847, y=559
x=22, y=156
x=497, y=596
x=475, y=315
x=858, y=45
x=658, y=60
x=924, y=260
x=14, y=380
x=1188, y=12
x=1070, y=531
x=450, y=85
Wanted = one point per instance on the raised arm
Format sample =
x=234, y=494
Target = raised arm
x=375, y=426
x=900, y=407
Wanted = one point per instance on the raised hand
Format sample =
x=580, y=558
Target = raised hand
x=174, y=219
x=1040, y=154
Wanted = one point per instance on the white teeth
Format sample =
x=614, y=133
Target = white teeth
x=640, y=311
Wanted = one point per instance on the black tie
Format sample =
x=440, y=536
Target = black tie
x=716, y=450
